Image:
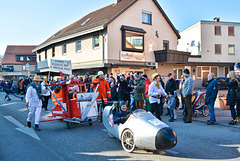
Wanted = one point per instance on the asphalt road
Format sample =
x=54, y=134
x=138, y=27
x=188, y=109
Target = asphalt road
x=196, y=141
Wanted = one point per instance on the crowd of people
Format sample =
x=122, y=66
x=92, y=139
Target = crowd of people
x=133, y=91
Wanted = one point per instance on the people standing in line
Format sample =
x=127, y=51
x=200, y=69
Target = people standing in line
x=122, y=87
x=162, y=101
x=238, y=103
x=139, y=91
x=107, y=77
x=114, y=94
x=181, y=84
x=211, y=95
x=170, y=87
x=147, y=83
x=46, y=95
x=155, y=92
x=87, y=80
x=232, y=96
x=171, y=104
x=26, y=82
x=187, y=94
x=111, y=76
x=34, y=102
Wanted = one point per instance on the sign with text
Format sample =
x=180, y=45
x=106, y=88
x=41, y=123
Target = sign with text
x=131, y=56
x=63, y=66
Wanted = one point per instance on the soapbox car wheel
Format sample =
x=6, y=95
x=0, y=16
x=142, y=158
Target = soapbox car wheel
x=127, y=141
x=205, y=111
x=90, y=122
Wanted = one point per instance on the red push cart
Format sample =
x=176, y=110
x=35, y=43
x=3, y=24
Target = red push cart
x=79, y=110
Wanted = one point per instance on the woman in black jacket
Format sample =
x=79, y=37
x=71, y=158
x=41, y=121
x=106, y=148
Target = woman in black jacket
x=232, y=96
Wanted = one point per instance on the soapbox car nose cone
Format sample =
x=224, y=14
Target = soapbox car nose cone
x=166, y=138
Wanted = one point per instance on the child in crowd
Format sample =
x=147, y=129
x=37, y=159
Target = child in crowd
x=171, y=105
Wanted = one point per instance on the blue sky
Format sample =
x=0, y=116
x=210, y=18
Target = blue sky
x=30, y=22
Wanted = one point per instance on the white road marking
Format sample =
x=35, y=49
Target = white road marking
x=237, y=146
x=8, y=104
x=171, y=151
x=26, y=130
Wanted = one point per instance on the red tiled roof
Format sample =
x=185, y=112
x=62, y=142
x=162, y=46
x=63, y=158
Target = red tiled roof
x=101, y=17
x=0, y=61
x=13, y=50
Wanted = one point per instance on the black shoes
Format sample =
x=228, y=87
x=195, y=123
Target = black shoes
x=167, y=114
x=29, y=124
x=171, y=120
x=209, y=120
x=37, y=127
x=210, y=123
x=233, y=122
x=22, y=98
x=188, y=121
x=9, y=100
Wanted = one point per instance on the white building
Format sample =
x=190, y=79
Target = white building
x=123, y=37
x=214, y=47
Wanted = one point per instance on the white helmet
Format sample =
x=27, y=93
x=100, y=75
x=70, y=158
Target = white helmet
x=100, y=72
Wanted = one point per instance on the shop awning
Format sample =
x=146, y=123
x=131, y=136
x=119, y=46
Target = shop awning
x=171, y=56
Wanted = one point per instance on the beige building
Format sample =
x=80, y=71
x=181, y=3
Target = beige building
x=214, y=47
x=123, y=37
x=13, y=64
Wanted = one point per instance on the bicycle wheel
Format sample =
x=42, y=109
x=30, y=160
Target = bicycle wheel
x=205, y=111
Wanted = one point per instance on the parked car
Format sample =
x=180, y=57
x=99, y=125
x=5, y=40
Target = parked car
x=221, y=82
x=141, y=130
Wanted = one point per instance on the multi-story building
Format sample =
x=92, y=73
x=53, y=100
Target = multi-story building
x=13, y=64
x=123, y=37
x=214, y=47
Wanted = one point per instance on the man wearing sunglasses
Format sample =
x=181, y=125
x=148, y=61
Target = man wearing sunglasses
x=34, y=102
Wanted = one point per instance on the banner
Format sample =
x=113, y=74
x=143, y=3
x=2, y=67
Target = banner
x=63, y=66
x=131, y=56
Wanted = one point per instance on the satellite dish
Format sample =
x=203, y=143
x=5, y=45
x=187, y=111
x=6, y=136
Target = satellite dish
x=192, y=43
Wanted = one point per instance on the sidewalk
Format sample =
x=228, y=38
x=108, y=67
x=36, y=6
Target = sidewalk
x=222, y=116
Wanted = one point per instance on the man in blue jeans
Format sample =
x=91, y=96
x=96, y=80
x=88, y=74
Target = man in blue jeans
x=211, y=95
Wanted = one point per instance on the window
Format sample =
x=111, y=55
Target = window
x=45, y=54
x=34, y=58
x=95, y=41
x=24, y=67
x=86, y=21
x=230, y=31
x=21, y=58
x=28, y=58
x=78, y=46
x=177, y=73
x=218, y=48
x=133, y=41
x=39, y=58
x=146, y=18
x=64, y=49
x=231, y=49
x=199, y=72
x=226, y=71
x=217, y=30
x=165, y=45
x=53, y=52
x=215, y=71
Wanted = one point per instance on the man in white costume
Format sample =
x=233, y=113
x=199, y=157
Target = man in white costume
x=34, y=102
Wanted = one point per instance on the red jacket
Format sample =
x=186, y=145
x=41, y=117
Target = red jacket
x=103, y=89
x=147, y=83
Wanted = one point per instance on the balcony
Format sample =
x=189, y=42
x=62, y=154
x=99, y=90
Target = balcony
x=171, y=56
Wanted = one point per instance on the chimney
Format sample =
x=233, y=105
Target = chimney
x=217, y=19
x=116, y=1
